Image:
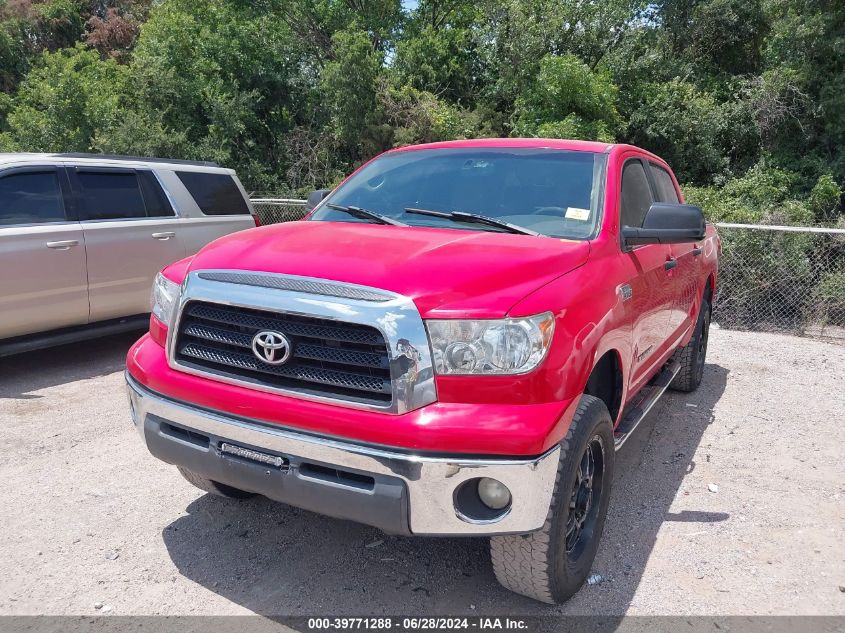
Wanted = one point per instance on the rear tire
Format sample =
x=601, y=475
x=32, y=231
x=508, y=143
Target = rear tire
x=693, y=355
x=213, y=487
x=550, y=565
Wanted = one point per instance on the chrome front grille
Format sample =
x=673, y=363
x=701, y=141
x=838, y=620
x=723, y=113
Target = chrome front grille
x=342, y=360
x=351, y=345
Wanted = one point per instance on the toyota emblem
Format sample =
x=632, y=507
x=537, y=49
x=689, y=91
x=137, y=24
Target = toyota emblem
x=271, y=347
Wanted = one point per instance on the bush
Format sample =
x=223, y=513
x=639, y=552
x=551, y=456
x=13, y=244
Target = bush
x=65, y=101
x=825, y=198
x=829, y=300
x=763, y=195
x=417, y=116
x=682, y=125
x=568, y=100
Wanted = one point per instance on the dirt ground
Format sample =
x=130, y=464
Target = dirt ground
x=89, y=517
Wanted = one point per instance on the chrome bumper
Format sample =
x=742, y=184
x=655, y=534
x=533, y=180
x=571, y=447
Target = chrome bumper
x=431, y=482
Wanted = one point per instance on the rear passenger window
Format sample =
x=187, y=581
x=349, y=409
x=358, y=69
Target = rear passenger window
x=155, y=200
x=30, y=197
x=215, y=194
x=636, y=194
x=111, y=195
x=665, y=187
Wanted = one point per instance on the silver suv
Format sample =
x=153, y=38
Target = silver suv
x=82, y=236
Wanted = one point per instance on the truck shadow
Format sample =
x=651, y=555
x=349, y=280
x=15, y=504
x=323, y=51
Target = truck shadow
x=23, y=374
x=277, y=560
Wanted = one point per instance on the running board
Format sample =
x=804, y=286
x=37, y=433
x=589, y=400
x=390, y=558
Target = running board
x=643, y=403
x=32, y=342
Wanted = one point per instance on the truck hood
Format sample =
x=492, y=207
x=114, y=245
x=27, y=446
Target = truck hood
x=446, y=272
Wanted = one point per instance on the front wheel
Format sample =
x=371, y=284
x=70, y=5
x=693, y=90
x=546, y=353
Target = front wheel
x=550, y=565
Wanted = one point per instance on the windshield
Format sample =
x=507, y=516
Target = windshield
x=556, y=193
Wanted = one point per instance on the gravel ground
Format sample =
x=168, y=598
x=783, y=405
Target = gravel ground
x=89, y=517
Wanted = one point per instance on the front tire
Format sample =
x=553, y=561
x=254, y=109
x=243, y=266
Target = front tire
x=550, y=565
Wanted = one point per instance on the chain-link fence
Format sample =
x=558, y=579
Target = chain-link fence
x=273, y=210
x=771, y=278
x=782, y=278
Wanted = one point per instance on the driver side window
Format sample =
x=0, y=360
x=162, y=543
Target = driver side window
x=636, y=194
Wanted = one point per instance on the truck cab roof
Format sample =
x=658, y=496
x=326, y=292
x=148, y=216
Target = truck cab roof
x=526, y=143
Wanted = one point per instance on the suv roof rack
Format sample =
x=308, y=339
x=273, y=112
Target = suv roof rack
x=146, y=159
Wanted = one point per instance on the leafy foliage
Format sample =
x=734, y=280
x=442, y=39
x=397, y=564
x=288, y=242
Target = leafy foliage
x=65, y=102
x=568, y=100
x=349, y=85
x=744, y=98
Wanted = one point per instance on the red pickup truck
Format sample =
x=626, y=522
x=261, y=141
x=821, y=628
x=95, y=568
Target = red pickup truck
x=452, y=342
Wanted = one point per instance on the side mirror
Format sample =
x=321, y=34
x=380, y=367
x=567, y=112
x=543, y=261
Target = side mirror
x=667, y=223
x=316, y=197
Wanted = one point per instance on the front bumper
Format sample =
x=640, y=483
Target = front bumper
x=397, y=492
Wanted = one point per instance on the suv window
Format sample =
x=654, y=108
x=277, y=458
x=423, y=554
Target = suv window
x=636, y=194
x=30, y=197
x=111, y=194
x=665, y=187
x=155, y=200
x=215, y=194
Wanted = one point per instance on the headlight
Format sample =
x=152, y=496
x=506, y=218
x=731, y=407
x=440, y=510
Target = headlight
x=163, y=300
x=502, y=346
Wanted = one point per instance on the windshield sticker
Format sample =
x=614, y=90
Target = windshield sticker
x=576, y=213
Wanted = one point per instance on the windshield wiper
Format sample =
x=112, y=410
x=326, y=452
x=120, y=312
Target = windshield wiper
x=365, y=214
x=463, y=216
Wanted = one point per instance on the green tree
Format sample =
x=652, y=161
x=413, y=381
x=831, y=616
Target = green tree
x=416, y=116
x=439, y=51
x=295, y=92
x=681, y=124
x=716, y=36
x=58, y=24
x=316, y=22
x=515, y=35
x=569, y=100
x=65, y=102
x=213, y=79
x=349, y=85
x=14, y=61
x=441, y=61
x=805, y=48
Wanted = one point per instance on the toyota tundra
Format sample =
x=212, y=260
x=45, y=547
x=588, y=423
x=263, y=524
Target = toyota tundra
x=453, y=342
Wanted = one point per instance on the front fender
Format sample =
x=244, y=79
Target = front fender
x=590, y=322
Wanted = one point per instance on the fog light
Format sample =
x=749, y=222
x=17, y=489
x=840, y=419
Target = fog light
x=493, y=493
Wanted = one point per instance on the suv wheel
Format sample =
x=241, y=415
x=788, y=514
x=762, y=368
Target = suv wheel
x=213, y=487
x=551, y=564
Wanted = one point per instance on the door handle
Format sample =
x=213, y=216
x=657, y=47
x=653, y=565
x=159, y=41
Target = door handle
x=166, y=235
x=62, y=245
x=696, y=251
x=669, y=264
